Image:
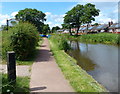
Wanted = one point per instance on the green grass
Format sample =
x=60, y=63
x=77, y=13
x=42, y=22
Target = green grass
x=22, y=85
x=105, y=38
x=77, y=77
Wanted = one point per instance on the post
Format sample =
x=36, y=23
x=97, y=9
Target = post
x=7, y=24
x=11, y=66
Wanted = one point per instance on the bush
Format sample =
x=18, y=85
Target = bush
x=60, y=42
x=23, y=40
x=63, y=45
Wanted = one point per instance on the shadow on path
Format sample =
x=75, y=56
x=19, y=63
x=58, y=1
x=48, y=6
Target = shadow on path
x=38, y=88
x=43, y=55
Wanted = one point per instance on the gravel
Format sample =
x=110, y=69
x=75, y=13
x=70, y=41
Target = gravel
x=21, y=70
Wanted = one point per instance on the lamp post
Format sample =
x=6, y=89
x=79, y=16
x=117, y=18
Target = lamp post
x=8, y=23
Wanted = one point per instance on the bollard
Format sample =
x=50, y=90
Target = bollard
x=11, y=66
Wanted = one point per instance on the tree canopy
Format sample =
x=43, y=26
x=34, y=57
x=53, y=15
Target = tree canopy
x=55, y=28
x=46, y=29
x=33, y=16
x=81, y=14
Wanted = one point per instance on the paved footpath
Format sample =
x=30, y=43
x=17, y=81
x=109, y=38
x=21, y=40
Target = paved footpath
x=46, y=75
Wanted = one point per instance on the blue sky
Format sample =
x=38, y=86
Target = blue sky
x=55, y=11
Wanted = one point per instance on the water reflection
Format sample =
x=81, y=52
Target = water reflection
x=99, y=60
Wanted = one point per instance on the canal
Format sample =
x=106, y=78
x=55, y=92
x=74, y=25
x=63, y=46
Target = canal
x=99, y=60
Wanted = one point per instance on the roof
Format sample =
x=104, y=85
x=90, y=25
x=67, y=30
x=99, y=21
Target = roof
x=60, y=30
x=115, y=26
x=101, y=27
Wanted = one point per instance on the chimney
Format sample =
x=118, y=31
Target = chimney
x=109, y=24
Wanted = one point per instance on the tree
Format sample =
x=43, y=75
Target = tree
x=46, y=29
x=13, y=23
x=80, y=14
x=67, y=26
x=55, y=28
x=95, y=24
x=74, y=17
x=33, y=16
x=89, y=13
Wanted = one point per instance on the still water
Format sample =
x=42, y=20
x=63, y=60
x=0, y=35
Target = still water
x=99, y=60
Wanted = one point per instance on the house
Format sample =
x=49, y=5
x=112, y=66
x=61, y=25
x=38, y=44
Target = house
x=115, y=28
x=102, y=28
x=66, y=31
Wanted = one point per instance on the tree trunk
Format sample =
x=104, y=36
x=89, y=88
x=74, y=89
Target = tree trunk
x=87, y=27
x=77, y=30
x=70, y=32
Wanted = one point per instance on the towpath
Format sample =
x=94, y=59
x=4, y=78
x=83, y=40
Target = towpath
x=46, y=76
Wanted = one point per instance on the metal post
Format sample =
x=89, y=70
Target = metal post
x=7, y=24
x=11, y=66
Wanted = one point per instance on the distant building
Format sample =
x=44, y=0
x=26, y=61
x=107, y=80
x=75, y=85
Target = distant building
x=114, y=28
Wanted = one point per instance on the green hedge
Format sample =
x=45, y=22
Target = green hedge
x=22, y=39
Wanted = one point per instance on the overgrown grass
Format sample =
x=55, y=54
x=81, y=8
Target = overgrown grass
x=21, y=86
x=105, y=38
x=78, y=78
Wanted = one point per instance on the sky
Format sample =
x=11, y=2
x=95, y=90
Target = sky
x=55, y=11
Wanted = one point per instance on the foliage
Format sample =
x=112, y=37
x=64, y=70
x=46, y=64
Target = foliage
x=33, y=16
x=22, y=39
x=45, y=29
x=13, y=23
x=81, y=14
x=107, y=38
x=67, y=26
x=78, y=78
x=95, y=24
x=60, y=42
x=6, y=43
x=22, y=85
x=55, y=28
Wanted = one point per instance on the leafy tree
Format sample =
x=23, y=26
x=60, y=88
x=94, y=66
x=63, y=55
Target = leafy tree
x=95, y=24
x=74, y=17
x=66, y=26
x=81, y=15
x=46, y=29
x=33, y=16
x=89, y=13
x=55, y=28
x=13, y=23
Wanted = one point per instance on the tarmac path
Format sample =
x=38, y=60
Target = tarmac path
x=46, y=76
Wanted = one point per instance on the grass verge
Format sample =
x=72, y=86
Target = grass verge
x=21, y=86
x=77, y=77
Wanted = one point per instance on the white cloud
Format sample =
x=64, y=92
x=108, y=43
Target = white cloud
x=102, y=18
x=54, y=20
x=13, y=14
x=4, y=17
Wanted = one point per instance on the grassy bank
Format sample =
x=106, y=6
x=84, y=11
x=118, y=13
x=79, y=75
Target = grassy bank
x=22, y=85
x=105, y=38
x=77, y=77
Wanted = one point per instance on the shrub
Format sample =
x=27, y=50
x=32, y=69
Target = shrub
x=60, y=42
x=23, y=40
x=63, y=45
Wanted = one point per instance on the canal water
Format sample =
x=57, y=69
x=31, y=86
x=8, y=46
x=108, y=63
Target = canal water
x=99, y=60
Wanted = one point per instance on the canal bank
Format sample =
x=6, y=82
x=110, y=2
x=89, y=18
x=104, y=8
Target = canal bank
x=79, y=79
x=98, y=60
